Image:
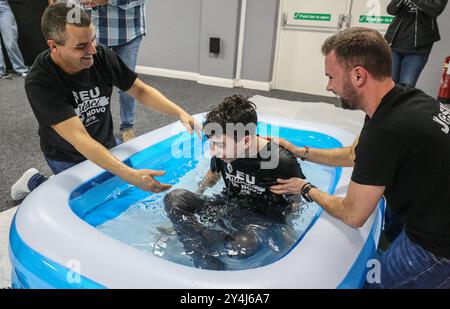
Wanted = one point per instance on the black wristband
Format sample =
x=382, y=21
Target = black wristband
x=305, y=191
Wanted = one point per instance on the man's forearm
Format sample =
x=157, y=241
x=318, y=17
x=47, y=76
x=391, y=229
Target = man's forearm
x=331, y=204
x=152, y=98
x=97, y=153
x=333, y=157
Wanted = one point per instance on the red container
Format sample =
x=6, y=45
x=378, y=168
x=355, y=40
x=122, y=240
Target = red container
x=444, y=88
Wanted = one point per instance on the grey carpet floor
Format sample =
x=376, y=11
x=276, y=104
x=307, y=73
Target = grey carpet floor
x=20, y=143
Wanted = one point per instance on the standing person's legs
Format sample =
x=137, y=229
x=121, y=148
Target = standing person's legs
x=396, y=65
x=128, y=53
x=2, y=60
x=181, y=207
x=32, y=178
x=407, y=265
x=412, y=66
x=8, y=28
x=3, y=21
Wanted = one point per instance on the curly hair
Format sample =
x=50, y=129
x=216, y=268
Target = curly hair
x=232, y=111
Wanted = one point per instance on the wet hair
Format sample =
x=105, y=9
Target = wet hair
x=60, y=14
x=361, y=47
x=234, y=110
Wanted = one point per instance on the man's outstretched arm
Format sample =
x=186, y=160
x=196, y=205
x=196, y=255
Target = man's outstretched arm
x=73, y=131
x=344, y=156
x=353, y=210
x=155, y=100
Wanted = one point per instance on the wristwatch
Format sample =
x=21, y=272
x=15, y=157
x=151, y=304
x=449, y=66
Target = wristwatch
x=305, y=191
x=305, y=156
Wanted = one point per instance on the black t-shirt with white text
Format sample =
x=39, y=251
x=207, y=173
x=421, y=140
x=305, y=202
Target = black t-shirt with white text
x=405, y=147
x=248, y=176
x=56, y=96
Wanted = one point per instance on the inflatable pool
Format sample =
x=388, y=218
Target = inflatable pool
x=59, y=237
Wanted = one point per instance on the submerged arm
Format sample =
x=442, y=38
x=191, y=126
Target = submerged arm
x=208, y=181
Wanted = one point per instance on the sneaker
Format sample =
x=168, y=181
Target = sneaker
x=6, y=75
x=20, y=190
x=128, y=134
x=24, y=74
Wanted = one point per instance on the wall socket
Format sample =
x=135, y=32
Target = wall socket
x=214, y=46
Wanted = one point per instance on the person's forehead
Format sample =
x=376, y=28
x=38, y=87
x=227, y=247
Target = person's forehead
x=80, y=34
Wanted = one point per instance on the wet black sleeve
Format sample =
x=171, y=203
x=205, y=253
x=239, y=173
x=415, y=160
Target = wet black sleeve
x=288, y=166
x=122, y=77
x=377, y=157
x=213, y=165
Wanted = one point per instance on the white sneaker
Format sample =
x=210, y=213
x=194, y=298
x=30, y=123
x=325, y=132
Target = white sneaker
x=20, y=190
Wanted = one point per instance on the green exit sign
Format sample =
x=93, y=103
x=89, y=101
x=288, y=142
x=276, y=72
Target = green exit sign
x=367, y=19
x=312, y=16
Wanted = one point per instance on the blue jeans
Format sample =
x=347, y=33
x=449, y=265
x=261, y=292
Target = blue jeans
x=406, y=67
x=128, y=53
x=407, y=265
x=8, y=30
x=56, y=167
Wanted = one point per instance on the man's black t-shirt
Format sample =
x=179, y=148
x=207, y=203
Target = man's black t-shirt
x=249, y=177
x=56, y=96
x=405, y=147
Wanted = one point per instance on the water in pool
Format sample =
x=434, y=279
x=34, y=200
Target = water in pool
x=137, y=218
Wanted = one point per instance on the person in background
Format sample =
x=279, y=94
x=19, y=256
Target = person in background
x=120, y=25
x=411, y=36
x=10, y=34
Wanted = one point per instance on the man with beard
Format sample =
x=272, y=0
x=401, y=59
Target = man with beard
x=403, y=153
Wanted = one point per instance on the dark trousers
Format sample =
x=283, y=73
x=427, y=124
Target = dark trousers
x=184, y=208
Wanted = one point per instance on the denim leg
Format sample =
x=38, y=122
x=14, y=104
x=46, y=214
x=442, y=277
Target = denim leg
x=59, y=166
x=198, y=241
x=412, y=66
x=128, y=53
x=408, y=265
x=8, y=28
x=35, y=181
x=396, y=65
x=56, y=167
x=2, y=62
